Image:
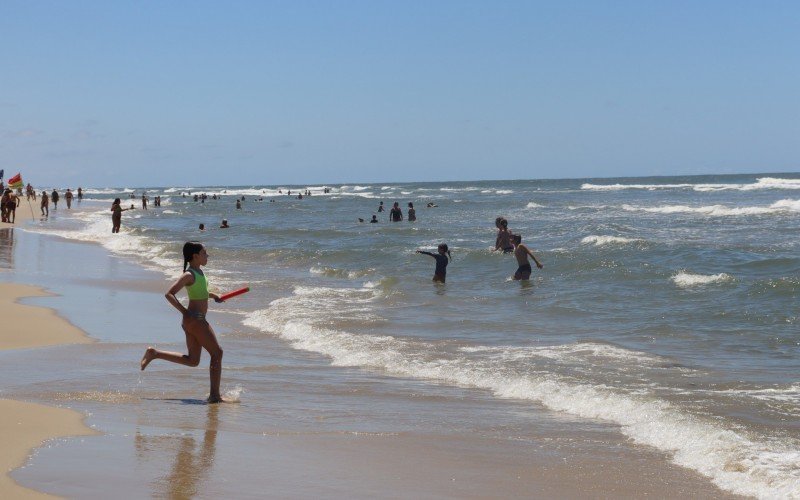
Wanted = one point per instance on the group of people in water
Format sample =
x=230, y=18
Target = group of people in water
x=200, y=335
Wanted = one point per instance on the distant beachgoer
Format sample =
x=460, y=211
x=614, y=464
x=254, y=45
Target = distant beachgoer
x=202, y=227
x=374, y=219
x=80, y=194
x=521, y=252
x=45, y=204
x=116, y=215
x=412, y=214
x=68, y=197
x=395, y=214
x=503, y=240
x=300, y=196
x=11, y=208
x=432, y=205
x=360, y=219
x=199, y=334
x=144, y=201
x=54, y=197
x=238, y=205
x=4, y=200
x=224, y=224
x=440, y=274
x=29, y=192
x=380, y=207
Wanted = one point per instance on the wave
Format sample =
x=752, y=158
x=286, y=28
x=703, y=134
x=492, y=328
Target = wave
x=533, y=205
x=731, y=458
x=782, y=206
x=761, y=183
x=607, y=240
x=685, y=279
x=341, y=273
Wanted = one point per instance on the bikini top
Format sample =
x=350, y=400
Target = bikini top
x=199, y=289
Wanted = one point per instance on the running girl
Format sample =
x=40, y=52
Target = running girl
x=199, y=334
x=442, y=260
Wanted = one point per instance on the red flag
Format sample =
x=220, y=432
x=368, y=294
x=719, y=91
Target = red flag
x=15, y=182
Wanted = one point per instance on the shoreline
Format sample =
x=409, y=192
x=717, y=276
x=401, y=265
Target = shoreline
x=26, y=426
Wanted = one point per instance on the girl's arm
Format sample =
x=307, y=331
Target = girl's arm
x=214, y=295
x=186, y=279
x=425, y=253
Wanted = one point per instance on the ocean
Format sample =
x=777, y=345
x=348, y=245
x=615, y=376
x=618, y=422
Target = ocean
x=666, y=311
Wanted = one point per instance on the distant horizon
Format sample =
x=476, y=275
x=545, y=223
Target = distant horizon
x=332, y=184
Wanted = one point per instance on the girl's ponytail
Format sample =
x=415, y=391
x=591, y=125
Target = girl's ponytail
x=190, y=249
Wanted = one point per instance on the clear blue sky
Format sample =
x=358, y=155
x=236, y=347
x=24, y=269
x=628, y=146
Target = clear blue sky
x=194, y=92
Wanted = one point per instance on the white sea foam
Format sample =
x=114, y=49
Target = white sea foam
x=686, y=280
x=779, y=207
x=533, y=205
x=761, y=183
x=597, y=240
x=731, y=458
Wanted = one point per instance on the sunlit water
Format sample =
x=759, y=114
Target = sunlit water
x=667, y=307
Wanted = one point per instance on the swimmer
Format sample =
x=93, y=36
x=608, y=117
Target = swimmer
x=374, y=219
x=224, y=224
x=395, y=214
x=199, y=334
x=503, y=240
x=202, y=227
x=521, y=252
x=440, y=274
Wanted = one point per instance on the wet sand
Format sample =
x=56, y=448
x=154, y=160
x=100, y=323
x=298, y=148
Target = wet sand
x=25, y=426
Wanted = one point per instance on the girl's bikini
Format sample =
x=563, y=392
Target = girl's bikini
x=197, y=291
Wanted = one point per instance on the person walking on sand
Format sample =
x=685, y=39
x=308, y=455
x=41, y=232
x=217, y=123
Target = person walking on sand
x=440, y=274
x=521, y=252
x=54, y=197
x=45, y=204
x=68, y=197
x=116, y=215
x=199, y=334
x=11, y=207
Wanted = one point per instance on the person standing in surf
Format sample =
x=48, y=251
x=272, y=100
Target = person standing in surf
x=199, y=334
x=440, y=274
x=116, y=215
x=521, y=253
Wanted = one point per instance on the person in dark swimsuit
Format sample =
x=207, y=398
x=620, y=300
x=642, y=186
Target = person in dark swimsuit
x=395, y=214
x=440, y=274
x=412, y=214
x=521, y=253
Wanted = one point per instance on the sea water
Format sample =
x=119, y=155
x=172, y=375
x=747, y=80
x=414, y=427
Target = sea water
x=667, y=306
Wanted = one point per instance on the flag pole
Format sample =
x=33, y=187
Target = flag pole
x=31, y=207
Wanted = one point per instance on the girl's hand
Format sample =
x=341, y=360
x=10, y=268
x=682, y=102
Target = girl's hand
x=218, y=300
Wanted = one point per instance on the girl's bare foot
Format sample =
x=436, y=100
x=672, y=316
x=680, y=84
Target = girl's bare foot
x=149, y=355
x=215, y=400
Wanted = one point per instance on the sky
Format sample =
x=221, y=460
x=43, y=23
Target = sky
x=154, y=93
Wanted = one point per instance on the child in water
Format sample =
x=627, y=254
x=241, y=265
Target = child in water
x=442, y=260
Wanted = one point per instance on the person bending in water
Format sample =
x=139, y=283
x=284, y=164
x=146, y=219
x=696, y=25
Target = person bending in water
x=199, y=334
x=440, y=274
x=521, y=252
